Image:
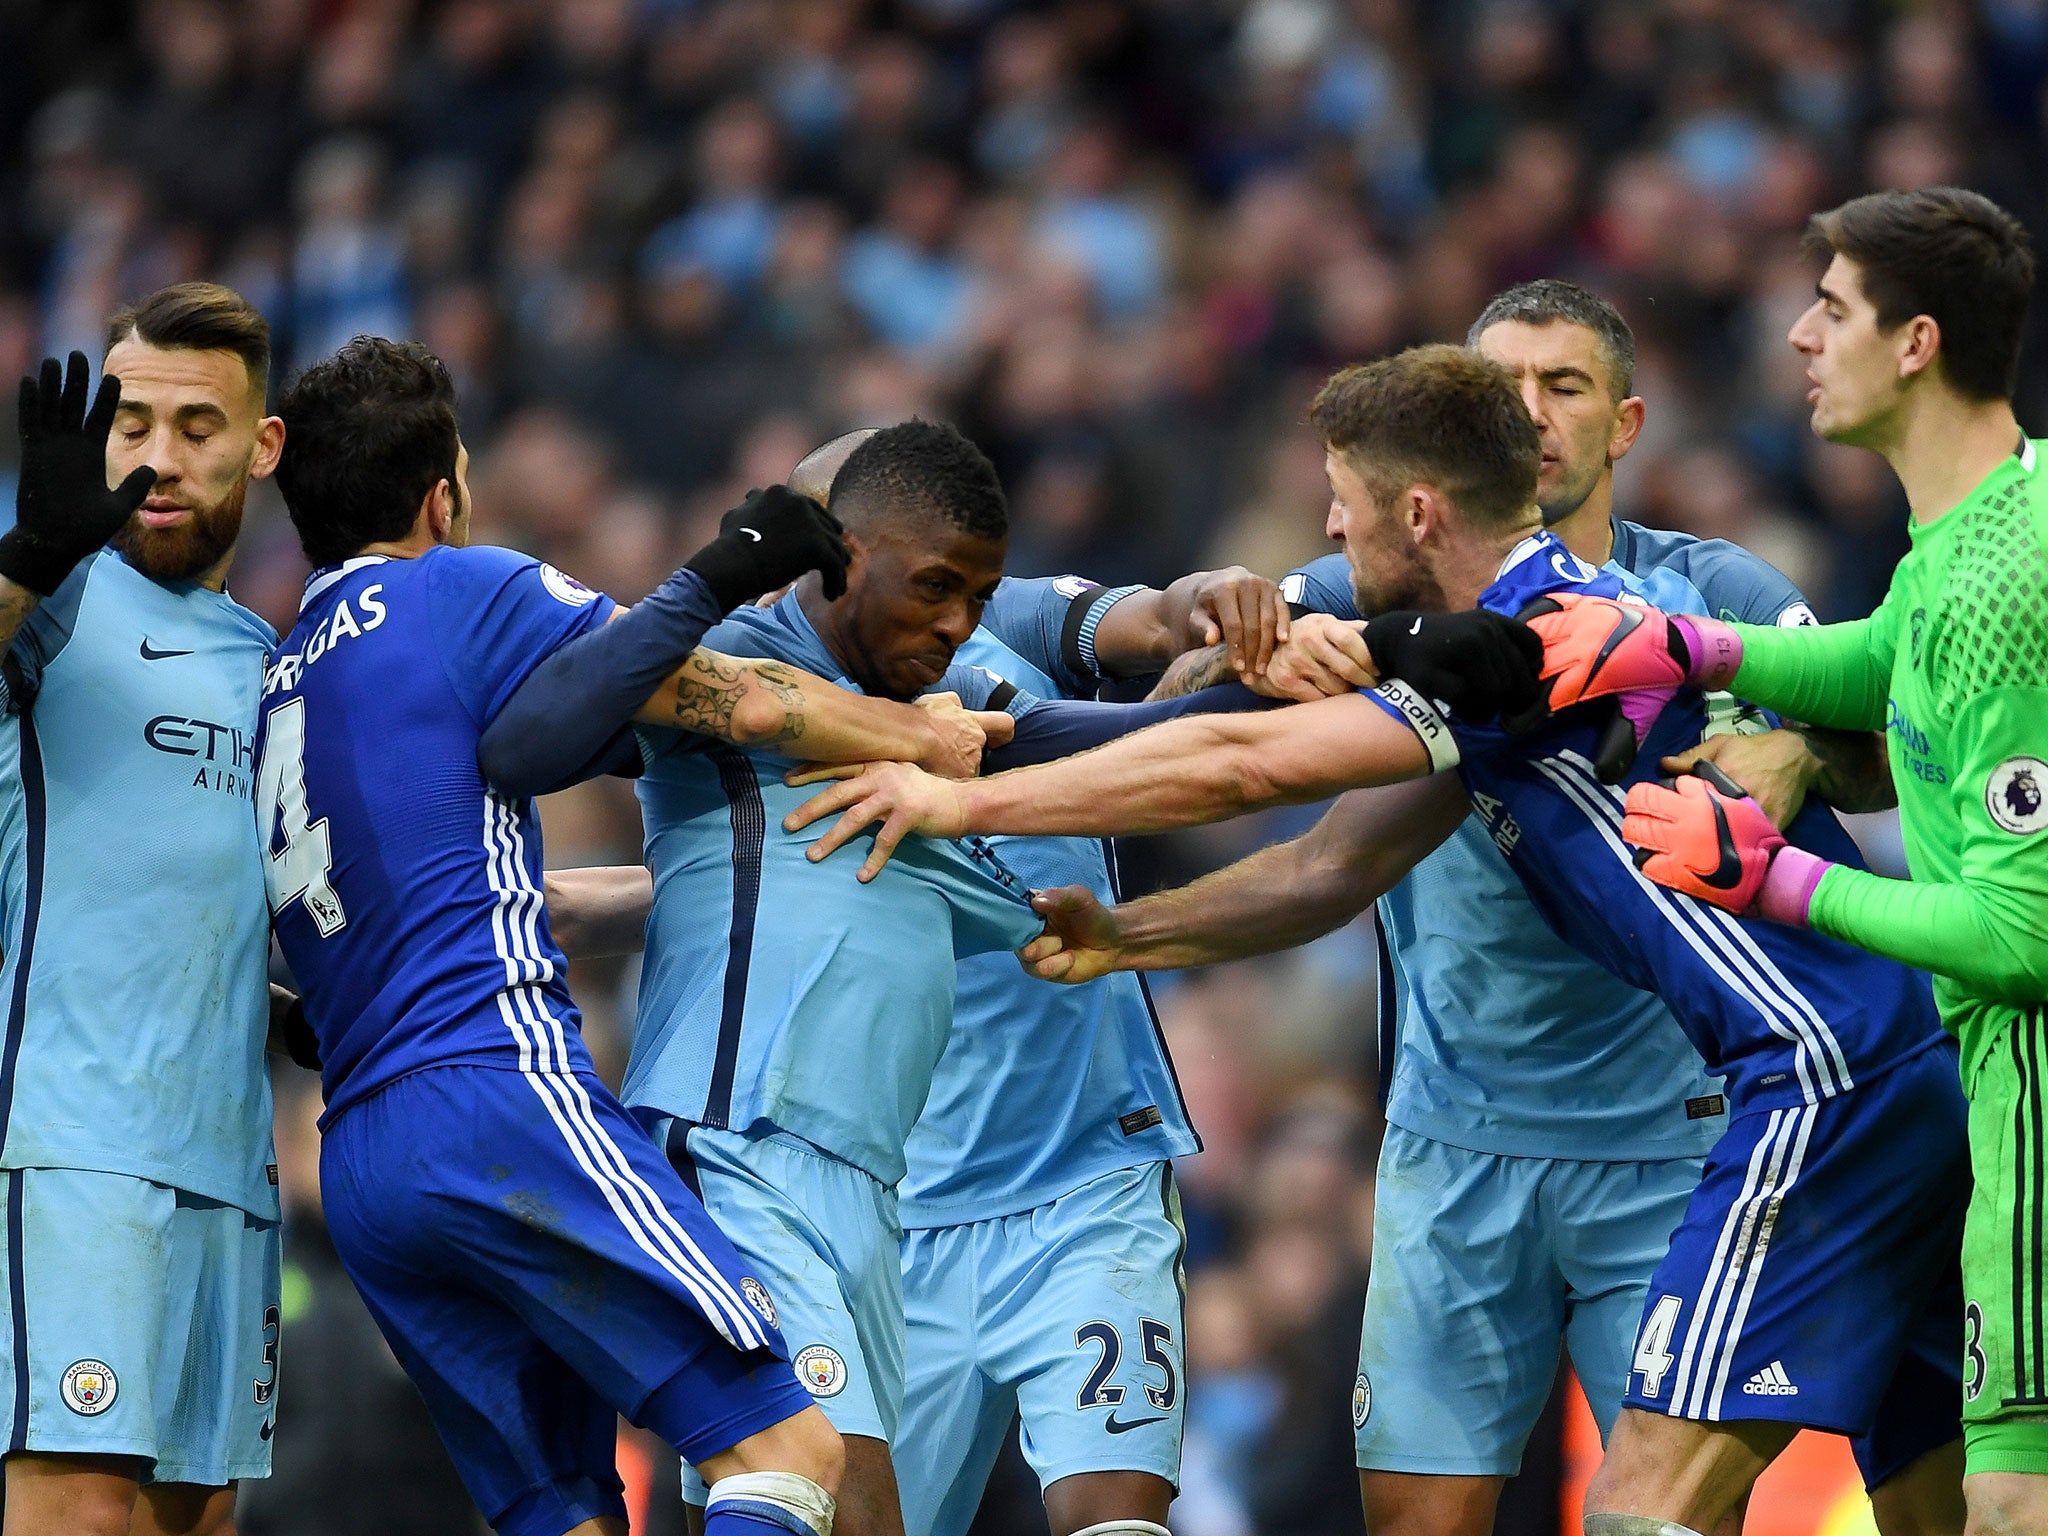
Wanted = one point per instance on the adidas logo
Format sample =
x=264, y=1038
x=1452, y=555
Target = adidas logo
x=1771, y=1381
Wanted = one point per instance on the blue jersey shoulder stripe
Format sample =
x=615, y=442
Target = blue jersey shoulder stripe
x=1729, y=951
x=749, y=829
x=37, y=820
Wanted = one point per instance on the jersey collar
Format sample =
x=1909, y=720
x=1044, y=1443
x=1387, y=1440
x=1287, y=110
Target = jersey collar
x=328, y=575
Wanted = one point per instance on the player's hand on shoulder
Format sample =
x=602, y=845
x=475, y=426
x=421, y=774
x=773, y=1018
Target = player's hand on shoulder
x=1479, y=664
x=1322, y=656
x=63, y=510
x=960, y=735
x=1243, y=611
x=1776, y=768
x=1700, y=834
x=896, y=799
x=1081, y=940
x=767, y=542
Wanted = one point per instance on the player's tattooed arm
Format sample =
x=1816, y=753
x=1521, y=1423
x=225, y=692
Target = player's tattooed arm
x=1781, y=768
x=774, y=707
x=599, y=911
x=1277, y=898
x=1193, y=671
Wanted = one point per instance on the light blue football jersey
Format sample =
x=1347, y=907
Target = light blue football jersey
x=131, y=888
x=778, y=995
x=1506, y=1040
x=1042, y=1088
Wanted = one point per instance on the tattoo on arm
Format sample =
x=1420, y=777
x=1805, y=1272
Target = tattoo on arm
x=1193, y=672
x=786, y=685
x=708, y=690
x=1855, y=775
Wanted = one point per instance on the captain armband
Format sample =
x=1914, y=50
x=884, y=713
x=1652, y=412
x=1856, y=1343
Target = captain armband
x=1423, y=718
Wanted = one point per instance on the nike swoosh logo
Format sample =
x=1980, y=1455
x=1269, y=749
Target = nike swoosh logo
x=1414, y=629
x=150, y=653
x=265, y=1431
x=1627, y=623
x=1117, y=1427
x=1728, y=873
x=750, y=533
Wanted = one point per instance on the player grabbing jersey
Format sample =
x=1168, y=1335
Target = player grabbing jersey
x=1819, y=1241
x=535, y=1263
x=1912, y=345
x=135, y=1155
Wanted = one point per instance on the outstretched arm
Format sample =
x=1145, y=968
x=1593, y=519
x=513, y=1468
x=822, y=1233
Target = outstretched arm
x=1241, y=613
x=599, y=911
x=1275, y=899
x=1181, y=774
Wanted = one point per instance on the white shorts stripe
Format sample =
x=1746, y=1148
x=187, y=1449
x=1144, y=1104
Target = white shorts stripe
x=1688, y=1355
x=1760, y=1253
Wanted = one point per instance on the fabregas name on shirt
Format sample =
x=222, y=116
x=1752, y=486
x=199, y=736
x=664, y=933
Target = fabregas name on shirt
x=284, y=671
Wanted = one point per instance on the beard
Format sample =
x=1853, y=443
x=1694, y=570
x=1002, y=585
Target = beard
x=1396, y=579
x=188, y=549
x=1569, y=498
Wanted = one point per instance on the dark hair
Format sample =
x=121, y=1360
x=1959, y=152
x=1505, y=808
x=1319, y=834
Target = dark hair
x=1437, y=415
x=199, y=317
x=1947, y=253
x=922, y=468
x=367, y=434
x=1551, y=300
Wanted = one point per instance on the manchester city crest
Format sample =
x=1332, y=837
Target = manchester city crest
x=1361, y=1401
x=821, y=1370
x=89, y=1387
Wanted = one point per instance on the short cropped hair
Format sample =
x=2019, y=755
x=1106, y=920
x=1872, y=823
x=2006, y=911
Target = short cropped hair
x=199, y=317
x=922, y=468
x=1551, y=300
x=1437, y=415
x=367, y=434
x=1947, y=253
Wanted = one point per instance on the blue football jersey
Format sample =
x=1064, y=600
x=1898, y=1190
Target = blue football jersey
x=782, y=996
x=1042, y=1088
x=1537, y=1052
x=405, y=890
x=131, y=889
x=1790, y=1016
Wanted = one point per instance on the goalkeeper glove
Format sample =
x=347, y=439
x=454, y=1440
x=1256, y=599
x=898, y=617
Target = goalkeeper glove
x=1480, y=664
x=766, y=542
x=1702, y=835
x=63, y=510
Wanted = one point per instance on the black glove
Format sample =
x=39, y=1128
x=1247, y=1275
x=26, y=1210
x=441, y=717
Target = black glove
x=1478, y=663
x=63, y=510
x=767, y=541
x=288, y=1022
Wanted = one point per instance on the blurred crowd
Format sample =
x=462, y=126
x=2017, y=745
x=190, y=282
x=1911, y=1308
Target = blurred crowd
x=666, y=246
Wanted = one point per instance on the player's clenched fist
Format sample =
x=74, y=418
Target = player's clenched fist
x=1081, y=939
x=63, y=510
x=1244, y=612
x=1321, y=656
x=766, y=542
x=893, y=798
x=1478, y=664
x=960, y=735
x=1702, y=835
x=1597, y=646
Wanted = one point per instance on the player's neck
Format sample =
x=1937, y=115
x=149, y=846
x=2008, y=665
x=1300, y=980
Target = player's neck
x=1942, y=446
x=1588, y=530
x=817, y=608
x=1473, y=564
x=215, y=577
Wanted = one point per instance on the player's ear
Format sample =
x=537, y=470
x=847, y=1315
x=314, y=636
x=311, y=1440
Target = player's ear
x=1628, y=426
x=1921, y=340
x=269, y=447
x=437, y=510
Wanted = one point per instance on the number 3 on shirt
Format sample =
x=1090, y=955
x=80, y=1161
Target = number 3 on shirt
x=299, y=869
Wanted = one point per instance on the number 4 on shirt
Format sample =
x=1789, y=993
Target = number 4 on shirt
x=1653, y=1344
x=298, y=870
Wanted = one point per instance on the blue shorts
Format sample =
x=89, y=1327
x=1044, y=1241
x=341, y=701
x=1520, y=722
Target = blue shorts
x=143, y=1322
x=1816, y=1279
x=822, y=1236
x=1482, y=1266
x=539, y=1269
x=1069, y=1313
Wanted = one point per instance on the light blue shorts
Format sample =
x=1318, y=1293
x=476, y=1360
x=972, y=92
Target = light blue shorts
x=821, y=1236
x=1068, y=1313
x=141, y=1321
x=1481, y=1266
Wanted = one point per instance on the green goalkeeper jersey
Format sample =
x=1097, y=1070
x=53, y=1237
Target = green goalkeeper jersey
x=1953, y=667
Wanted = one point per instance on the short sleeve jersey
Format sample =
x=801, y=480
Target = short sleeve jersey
x=1537, y=1052
x=778, y=996
x=1789, y=1015
x=1042, y=1088
x=406, y=891
x=131, y=888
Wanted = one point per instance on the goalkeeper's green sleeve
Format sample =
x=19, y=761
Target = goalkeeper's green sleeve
x=1836, y=675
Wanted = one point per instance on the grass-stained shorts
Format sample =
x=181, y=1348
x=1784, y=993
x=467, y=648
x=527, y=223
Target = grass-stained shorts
x=2005, y=1313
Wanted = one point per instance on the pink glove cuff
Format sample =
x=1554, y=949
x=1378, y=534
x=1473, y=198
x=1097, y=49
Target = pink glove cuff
x=1715, y=649
x=1789, y=884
